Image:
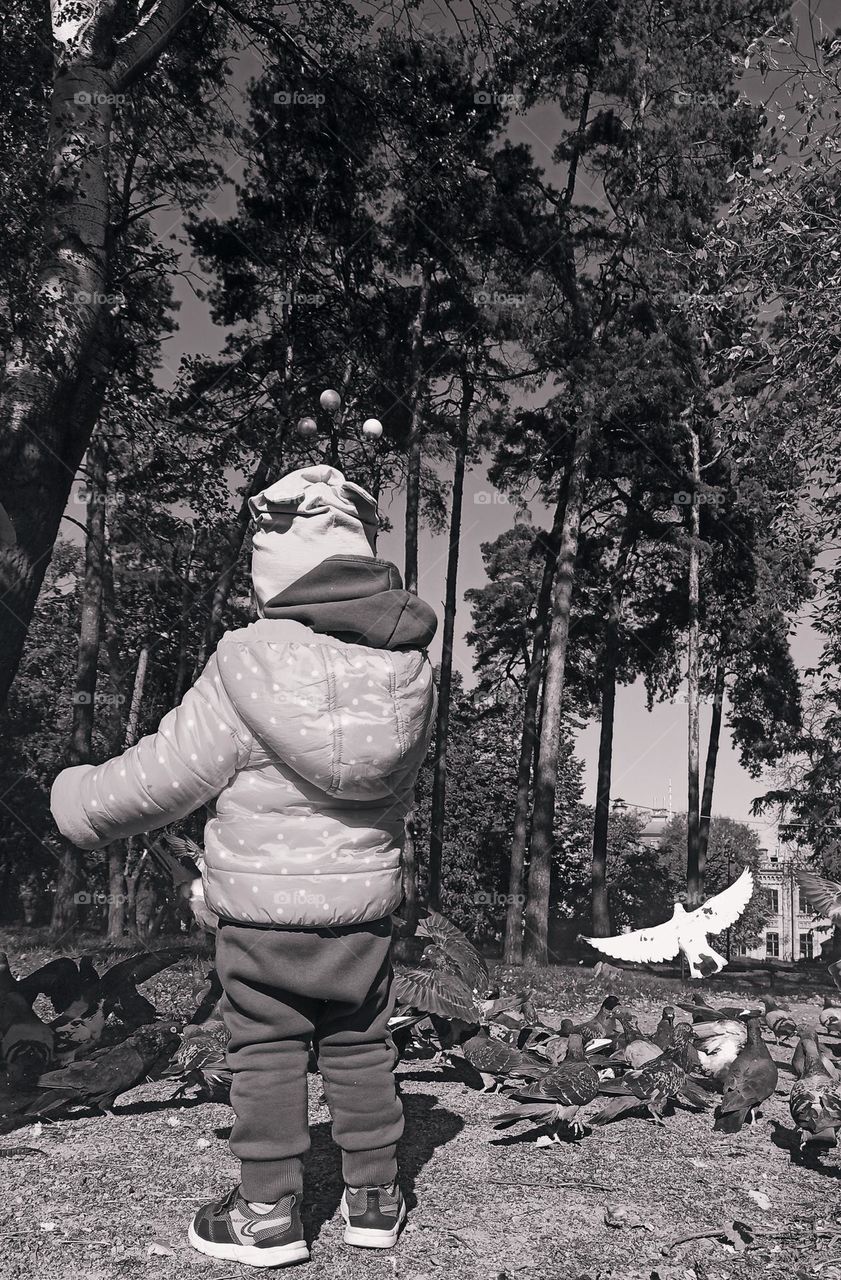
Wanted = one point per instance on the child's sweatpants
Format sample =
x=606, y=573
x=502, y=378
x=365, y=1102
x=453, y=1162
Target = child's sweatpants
x=285, y=989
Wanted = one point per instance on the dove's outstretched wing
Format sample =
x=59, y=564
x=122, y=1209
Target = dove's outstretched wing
x=444, y=934
x=659, y=942
x=722, y=911
x=823, y=895
x=439, y=993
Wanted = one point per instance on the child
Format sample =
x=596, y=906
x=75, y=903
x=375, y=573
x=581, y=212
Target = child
x=307, y=729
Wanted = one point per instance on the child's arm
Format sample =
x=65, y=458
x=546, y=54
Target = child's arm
x=197, y=749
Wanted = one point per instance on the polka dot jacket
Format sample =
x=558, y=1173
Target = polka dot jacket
x=305, y=750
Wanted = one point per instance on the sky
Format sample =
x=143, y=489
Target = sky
x=650, y=752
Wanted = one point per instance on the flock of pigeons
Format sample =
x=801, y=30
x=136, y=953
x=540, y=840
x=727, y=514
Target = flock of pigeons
x=549, y=1068
x=105, y=1037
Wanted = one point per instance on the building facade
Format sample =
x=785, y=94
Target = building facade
x=793, y=931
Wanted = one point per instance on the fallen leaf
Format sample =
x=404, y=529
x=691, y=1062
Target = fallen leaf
x=737, y=1234
x=159, y=1250
x=621, y=1216
x=760, y=1198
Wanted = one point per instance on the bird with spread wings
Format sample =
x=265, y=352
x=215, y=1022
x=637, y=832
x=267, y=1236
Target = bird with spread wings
x=686, y=932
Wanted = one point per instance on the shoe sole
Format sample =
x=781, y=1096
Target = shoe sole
x=370, y=1237
x=251, y=1255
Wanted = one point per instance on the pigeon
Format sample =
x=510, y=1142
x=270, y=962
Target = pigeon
x=686, y=932
x=496, y=1061
x=210, y=1002
x=182, y=862
x=603, y=1025
x=798, y=1060
x=26, y=1044
x=452, y=951
x=824, y=895
x=556, y=1097
x=632, y=1047
x=815, y=1098
x=96, y=1081
x=445, y=983
x=779, y=1021
x=830, y=1016
x=834, y=971
x=199, y=1061
x=719, y=1043
x=655, y=1086
x=90, y=1002
x=750, y=1081
x=58, y=980
x=665, y=1028
x=702, y=1011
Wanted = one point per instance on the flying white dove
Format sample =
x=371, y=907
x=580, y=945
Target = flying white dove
x=686, y=931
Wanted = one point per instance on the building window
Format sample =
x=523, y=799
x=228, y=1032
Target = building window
x=772, y=944
x=806, y=948
x=773, y=896
x=805, y=909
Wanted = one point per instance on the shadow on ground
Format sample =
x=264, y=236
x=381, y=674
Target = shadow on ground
x=428, y=1126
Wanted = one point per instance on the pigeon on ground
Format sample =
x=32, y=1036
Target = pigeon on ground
x=632, y=1047
x=815, y=1098
x=95, y=997
x=830, y=1016
x=199, y=1061
x=686, y=932
x=750, y=1081
x=665, y=1028
x=96, y=1081
x=497, y=1062
x=558, y=1096
x=603, y=1025
x=26, y=1044
x=718, y=1045
x=655, y=1086
x=798, y=1060
x=779, y=1021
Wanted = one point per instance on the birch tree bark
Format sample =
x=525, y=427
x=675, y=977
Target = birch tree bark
x=54, y=375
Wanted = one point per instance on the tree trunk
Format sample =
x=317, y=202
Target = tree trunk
x=65, y=906
x=536, y=947
x=55, y=376
x=413, y=470
x=695, y=863
x=712, y=759
x=512, y=953
x=182, y=670
x=610, y=663
x=439, y=779
x=120, y=901
x=415, y=442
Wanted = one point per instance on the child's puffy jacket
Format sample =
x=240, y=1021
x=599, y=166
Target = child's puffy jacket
x=309, y=747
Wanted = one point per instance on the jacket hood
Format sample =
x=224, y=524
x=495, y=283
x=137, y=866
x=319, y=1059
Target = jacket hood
x=350, y=719
x=360, y=600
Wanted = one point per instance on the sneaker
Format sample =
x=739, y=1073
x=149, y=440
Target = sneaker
x=373, y=1216
x=230, y=1230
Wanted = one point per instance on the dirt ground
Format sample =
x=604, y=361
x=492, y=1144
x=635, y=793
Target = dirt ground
x=108, y=1197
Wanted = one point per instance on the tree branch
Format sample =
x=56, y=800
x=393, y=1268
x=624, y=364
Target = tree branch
x=145, y=43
